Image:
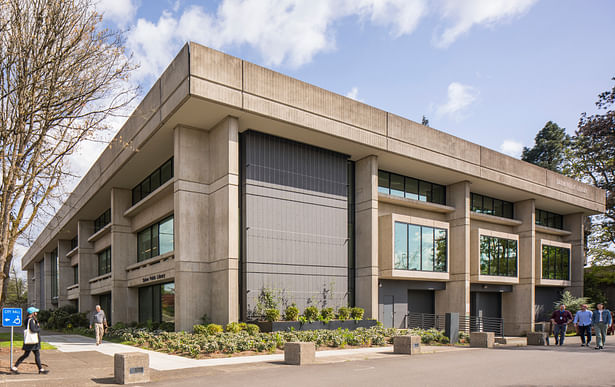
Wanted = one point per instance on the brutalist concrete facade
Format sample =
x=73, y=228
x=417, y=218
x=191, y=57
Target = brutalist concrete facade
x=296, y=231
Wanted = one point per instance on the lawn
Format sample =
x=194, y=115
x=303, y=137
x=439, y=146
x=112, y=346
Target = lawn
x=5, y=340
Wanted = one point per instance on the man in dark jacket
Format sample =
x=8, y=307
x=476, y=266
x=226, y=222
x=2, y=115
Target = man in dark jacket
x=560, y=319
x=34, y=328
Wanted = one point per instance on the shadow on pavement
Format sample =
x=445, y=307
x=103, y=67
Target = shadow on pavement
x=104, y=380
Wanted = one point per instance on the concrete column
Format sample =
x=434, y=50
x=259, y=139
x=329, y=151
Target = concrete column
x=575, y=224
x=34, y=286
x=224, y=219
x=366, y=220
x=191, y=226
x=66, y=272
x=518, y=305
x=88, y=264
x=49, y=303
x=456, y=297
x=123, y=253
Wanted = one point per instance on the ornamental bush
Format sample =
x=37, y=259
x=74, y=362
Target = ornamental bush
x=199, y=329
x=291, y=313
x=357, y=313
x=252, y=329
x=327, y=314
x=233, y=327
x=213, y=329
x=311, y=313
x=343, y=313
x=272, y=315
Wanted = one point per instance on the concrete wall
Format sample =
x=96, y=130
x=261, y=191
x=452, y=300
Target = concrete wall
x=88, y=265
x=295, y=222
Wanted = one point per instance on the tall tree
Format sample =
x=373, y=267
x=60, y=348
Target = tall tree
x=62, y=76
x=549, y=147
x=592, y=155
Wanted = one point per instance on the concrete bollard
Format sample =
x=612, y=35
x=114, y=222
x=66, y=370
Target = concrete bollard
x=536, y=338
x=410, y=345
x=131, y=367
x=299, y=353
x=482, y=339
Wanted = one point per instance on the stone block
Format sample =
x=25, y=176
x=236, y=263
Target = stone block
x=410, y=345
x=482, y=339
x=131, y=367
x=299, y=353
x=536, y=338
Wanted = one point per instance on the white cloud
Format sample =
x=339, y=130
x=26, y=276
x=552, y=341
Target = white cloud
x=119, y=11
x=512, y=148
x=460, y=97
x=354, y=94
x=467, y=13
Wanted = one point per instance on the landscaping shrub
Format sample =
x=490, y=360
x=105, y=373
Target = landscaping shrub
x=199, y=329
x=252, y=329
x=357, y=313
x=327, y=314
x=343, y=313
x=233, y=327
x=311, y=313
x=65, y=317
x=272, y=314
x=212, y=329
x=291, y=313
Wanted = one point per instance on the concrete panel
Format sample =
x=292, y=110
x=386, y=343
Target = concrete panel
x=432, y=139
x=88, y=265
x=213, y=65
x=288, y=91
x=159, y=210
x=66, y=272
x=175, y=74
x=215, y=92
x=575, y=224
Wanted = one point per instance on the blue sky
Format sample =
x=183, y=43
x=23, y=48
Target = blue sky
x=489, y=71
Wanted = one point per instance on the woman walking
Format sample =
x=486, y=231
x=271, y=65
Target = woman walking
x=34, y=328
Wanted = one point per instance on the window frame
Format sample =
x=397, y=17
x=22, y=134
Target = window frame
x=154, y=239
x=507, y=208
x=137, y=191
x=104, y=261
x=550, y=271
x=422, y=261
x=405, y=191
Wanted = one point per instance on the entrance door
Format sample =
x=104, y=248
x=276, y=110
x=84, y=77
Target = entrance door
x=421, y=309
x=486, y=304
x=388, y=310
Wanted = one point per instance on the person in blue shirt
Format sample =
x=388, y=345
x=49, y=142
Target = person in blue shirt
x=601, y=320
x=583, y=323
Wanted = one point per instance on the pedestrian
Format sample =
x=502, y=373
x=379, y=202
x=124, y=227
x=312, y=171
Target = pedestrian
x=99, y=320
x=583, y=323
x=34, y=330
x=601, y=319
x=560, y=319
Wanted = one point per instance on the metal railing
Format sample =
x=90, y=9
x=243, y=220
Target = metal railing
x=466, y=323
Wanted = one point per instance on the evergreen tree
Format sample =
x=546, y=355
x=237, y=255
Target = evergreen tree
x=549, y=147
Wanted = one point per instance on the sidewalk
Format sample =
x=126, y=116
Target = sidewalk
x=78, y=361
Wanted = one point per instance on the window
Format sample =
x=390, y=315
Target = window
x=54, y=274
x=157, y=303
x=420, y=248
x=75, y=274
x=549, y=219
x=74, y=243
x=104, y=261
x=155, y=240
x=104, y=300
x=160, y=176
x=490, y=206
x=555, y=263
x=498, y=256
x=102, y=221
x=408, y=187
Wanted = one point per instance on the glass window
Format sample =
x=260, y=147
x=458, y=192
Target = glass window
x=157, y=178
x=401, y=246
x=425, y=191
x=420, y=248
x=549, y=219
x=157, y=303
x=490, y=206
x=55, y=272
x=414, y=247
x=498, y=256
x=155, y=240
x=75, y=274
x=383, y=182
x=439, y=194
x=545, y=262
x=427, y=249
x=103, y=220
x=167, y=301
x=397, y=185
x=412, y=188
x=104, y=261
x=552, y=263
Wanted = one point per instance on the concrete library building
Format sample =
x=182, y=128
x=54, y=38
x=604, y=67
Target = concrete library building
x=230, y=179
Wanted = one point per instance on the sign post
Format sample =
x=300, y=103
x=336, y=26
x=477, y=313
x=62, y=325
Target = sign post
x=11, y=317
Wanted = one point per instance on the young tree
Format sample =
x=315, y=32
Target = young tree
x=549, y=147
x=61, y=78
x=592, y=155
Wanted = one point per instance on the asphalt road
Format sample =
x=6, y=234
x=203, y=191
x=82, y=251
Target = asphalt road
x=569, y=365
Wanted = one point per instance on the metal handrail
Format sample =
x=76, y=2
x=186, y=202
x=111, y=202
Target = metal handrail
x=467, y=323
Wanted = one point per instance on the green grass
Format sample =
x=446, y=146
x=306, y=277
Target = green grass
x=5, y=342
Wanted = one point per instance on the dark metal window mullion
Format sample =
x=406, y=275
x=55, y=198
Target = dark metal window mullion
x=407, y=246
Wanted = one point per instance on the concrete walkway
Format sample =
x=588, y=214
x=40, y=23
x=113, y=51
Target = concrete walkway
x=165, y=362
